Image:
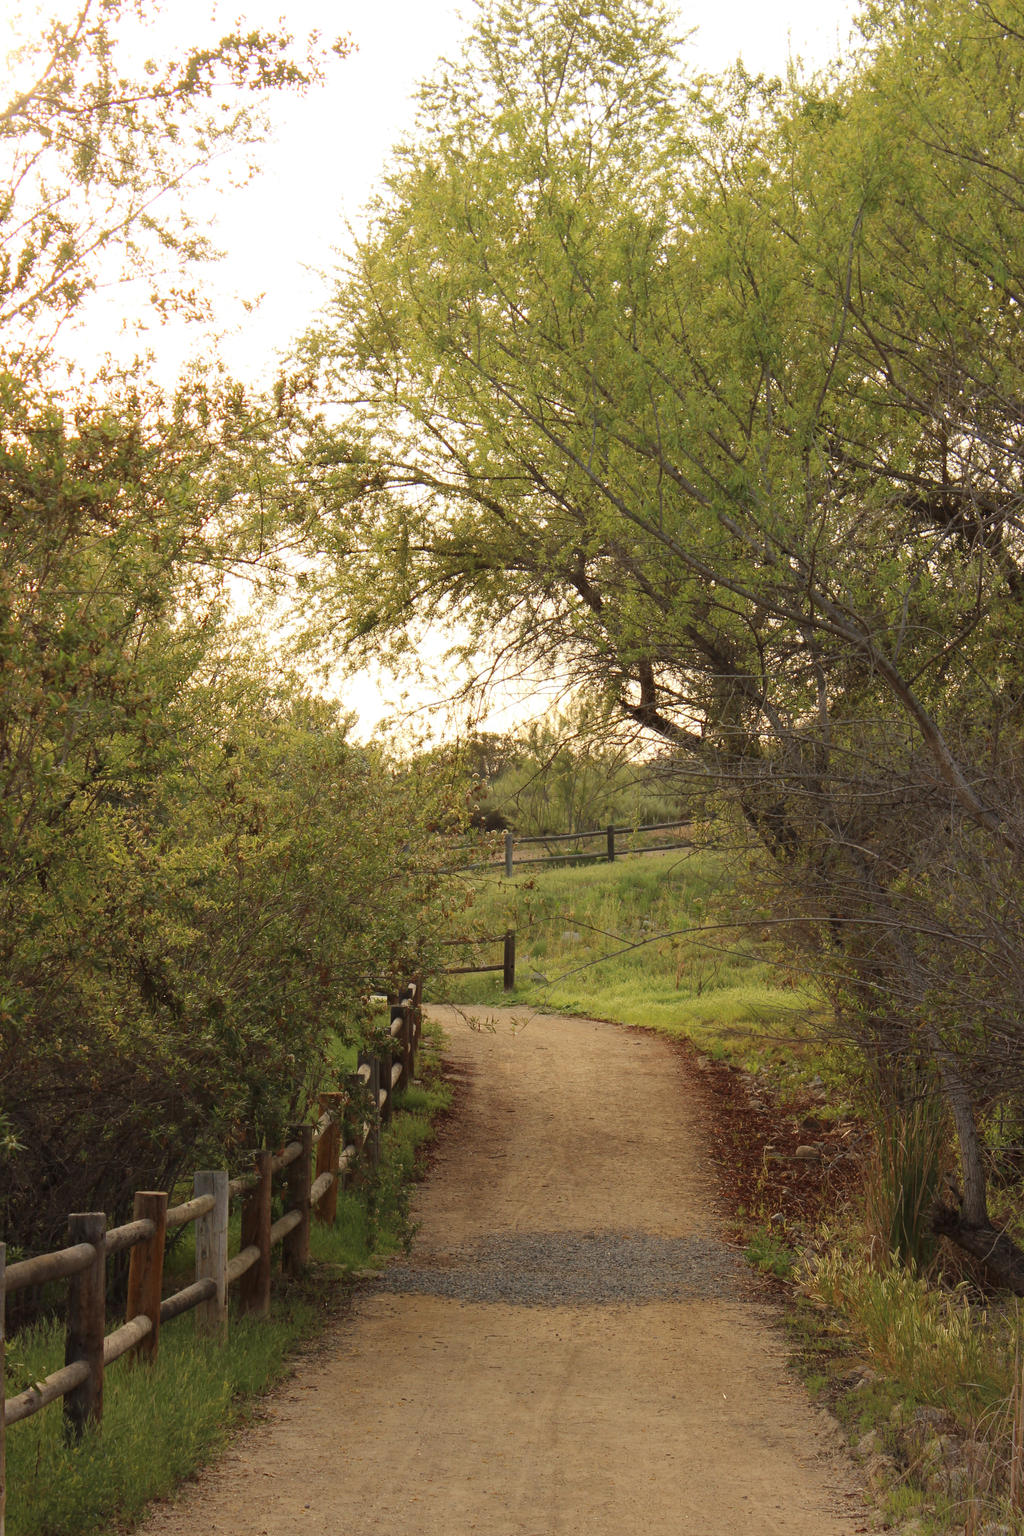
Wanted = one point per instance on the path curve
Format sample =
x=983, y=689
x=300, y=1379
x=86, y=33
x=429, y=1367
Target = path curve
x=570, y=1348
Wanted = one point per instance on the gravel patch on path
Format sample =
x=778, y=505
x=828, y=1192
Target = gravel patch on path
x=558, y=1269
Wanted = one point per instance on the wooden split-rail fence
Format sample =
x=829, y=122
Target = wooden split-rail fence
x=314, y=1164
x=619, y=842
x=507, y=940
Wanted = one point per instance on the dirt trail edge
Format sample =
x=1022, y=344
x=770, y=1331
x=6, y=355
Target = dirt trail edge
x=569, y=1349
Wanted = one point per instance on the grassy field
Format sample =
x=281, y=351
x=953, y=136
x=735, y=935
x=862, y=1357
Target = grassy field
x=659, y=940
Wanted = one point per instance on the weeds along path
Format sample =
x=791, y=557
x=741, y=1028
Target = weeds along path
x=569, y=1348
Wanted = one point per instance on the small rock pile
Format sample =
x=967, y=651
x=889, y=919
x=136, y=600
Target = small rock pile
x=921, y=1444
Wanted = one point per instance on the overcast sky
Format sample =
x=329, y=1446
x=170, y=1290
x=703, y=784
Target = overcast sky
x=328, y=149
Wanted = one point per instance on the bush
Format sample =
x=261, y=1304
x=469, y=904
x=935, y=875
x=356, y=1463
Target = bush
x=199, y=873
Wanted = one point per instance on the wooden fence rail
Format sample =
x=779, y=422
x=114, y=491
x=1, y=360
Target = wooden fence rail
x=508, y=958
x=349, y=1124
x=614, y=846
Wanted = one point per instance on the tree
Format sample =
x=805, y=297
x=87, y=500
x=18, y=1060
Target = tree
x=100, y=151
x=710, y=389
x=199, y=874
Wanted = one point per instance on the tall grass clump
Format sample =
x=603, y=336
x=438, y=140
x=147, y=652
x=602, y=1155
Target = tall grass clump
x=903, y=1181
x=937, y=1344
x=944, y=1350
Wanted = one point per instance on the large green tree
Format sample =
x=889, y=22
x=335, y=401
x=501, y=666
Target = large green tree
x=712, y=391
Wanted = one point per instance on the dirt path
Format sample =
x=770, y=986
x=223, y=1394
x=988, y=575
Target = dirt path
x=569, y=1350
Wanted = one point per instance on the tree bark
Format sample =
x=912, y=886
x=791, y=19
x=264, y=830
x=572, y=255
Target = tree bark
x=974, y=1204
x=1000, y=1255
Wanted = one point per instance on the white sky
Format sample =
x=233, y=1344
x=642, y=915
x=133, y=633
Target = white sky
x=282, y=233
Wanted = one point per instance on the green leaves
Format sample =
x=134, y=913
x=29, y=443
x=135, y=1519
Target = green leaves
x=199, y=875
x=711, y=375
x=99, y=154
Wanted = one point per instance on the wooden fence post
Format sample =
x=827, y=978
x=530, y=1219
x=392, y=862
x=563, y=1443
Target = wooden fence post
x=3, y=1394
x=352, y=1128
x=328, y=1150
x=146, y=1270
x=87, y=1317
x=295, y=1253
x=510, y=843
x=376, y=1087
x=384, y=1060
x=373, y=1137
x=400, y=1012
x=408, y=1044
x=508, y=979
x=611, y=845
x=254, y=1286
x=212, y=1253
x=417, y=1007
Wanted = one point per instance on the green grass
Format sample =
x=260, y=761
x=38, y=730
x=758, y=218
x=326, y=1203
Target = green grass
x=658, y=941
x=935, y=1346
x=766, y=1251
x=938, y=1344
x=161, y=1422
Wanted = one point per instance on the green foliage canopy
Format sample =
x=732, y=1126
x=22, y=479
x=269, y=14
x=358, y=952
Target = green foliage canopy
x=199, y=874
x=711, y=391
x=642, y=348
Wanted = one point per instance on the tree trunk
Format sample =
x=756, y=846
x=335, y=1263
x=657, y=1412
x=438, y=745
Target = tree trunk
x=974, y=1203
x=999, y=1253
x=970, y=1227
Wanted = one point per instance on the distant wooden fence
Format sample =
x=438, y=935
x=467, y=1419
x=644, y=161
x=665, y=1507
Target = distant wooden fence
x=314, y=1163
x=508, y=958
x=619, y=842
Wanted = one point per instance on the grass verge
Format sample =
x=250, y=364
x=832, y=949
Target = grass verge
x=161, y=1423
x=662, y=941
x=926, y=1381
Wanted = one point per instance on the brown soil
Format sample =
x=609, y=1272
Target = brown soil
x=431, y=1413
x=753, y=1144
